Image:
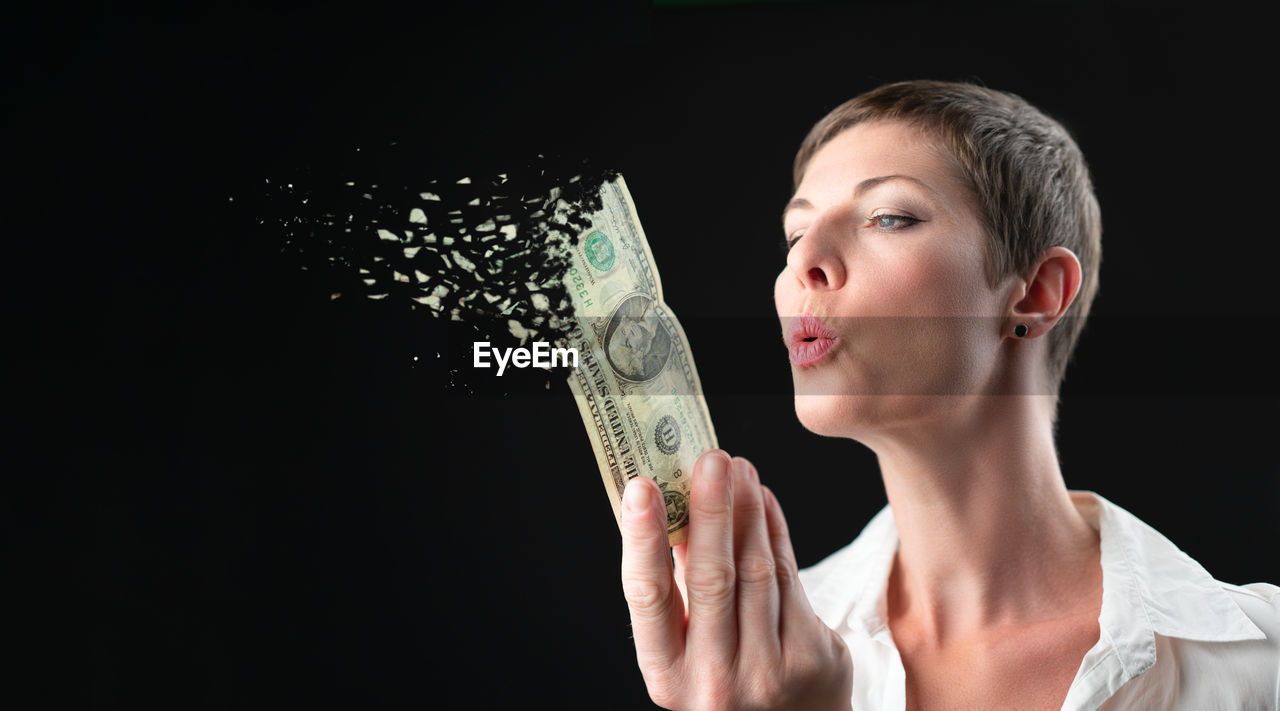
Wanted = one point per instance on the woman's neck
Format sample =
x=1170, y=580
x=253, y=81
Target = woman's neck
x=989, y=535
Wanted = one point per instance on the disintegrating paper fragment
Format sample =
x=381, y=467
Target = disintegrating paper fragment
x=463, y=262
x=518, y=330
x=495, y=257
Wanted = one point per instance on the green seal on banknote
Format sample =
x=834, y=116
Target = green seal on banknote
x=599, y=251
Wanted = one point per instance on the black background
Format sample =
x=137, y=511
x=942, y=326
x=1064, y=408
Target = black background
x=226, y=490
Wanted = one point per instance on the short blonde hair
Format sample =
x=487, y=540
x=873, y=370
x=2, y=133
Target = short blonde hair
x=1029, y=177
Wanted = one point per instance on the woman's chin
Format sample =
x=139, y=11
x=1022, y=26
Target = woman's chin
x=863, y=416
x=831, y=415
x=828, y=401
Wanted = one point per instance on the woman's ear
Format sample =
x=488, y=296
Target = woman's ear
x=1046, y=293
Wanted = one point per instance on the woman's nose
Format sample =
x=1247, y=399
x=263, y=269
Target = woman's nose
x=815, y=263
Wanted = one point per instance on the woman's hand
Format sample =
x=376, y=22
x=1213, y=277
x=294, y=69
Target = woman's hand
x=731, y=628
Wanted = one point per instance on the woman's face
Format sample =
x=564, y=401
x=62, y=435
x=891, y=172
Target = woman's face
x=887, y=253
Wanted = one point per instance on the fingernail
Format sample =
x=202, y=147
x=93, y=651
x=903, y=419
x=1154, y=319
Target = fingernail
x=715, y=467
x=636, y=497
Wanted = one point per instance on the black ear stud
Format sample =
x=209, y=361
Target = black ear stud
x=1020, y=330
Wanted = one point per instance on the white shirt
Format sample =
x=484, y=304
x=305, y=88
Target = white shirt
x=1172, y=637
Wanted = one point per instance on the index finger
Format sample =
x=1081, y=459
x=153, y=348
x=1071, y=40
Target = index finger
x=657, y=612
x=709, y=577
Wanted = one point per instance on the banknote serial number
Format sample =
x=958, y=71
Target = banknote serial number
x=541, y=355
x=580, y=285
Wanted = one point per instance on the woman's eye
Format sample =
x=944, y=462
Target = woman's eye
x=892, y=222
x=790, y=241
x=885, y=222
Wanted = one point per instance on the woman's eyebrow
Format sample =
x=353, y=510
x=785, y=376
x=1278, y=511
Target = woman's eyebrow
x=795, y=204
x=862, y=187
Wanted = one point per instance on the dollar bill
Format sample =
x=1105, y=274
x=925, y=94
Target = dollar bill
x=636, y=386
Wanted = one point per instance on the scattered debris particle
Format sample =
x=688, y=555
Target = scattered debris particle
x=495, y=256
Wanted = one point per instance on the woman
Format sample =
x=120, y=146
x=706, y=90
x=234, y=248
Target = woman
x=944, y=243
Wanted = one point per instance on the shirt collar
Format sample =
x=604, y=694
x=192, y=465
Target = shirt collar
x=1149, y=586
